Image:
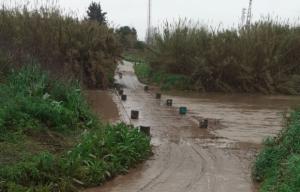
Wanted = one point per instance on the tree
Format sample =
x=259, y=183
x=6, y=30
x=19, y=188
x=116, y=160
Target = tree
x=95, y=13
x=127, y=36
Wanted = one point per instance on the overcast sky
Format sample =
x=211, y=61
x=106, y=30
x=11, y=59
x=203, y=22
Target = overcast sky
x=227, y=12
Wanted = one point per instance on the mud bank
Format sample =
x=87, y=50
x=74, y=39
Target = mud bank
x=187, y=158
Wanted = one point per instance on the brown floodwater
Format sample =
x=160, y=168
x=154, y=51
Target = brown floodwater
x=103, y=105
x=187, y=158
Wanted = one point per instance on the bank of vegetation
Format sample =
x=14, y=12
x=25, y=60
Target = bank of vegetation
x=49, y=138
x=50, y=141
x=261, y=58
x=63, y=44
x=277, y=167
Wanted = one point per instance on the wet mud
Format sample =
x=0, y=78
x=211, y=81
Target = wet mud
x=186, y=157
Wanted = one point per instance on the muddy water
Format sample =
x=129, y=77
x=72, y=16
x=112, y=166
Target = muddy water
x=187, y=158
x=103, y=105
x=239, y=118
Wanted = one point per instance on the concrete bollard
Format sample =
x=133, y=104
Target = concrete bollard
x=124, y=97
x=134, y=114
x=117, y=86
x=146, y=88
x=203, y=124
x=121, y=92
x=145, y=130
x=120, y=75
x=158, y=96
x=169, y=102
x=182, y=110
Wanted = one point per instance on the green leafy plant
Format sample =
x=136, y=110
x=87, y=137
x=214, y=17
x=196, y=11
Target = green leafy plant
x=50, y=140
x=277, y=165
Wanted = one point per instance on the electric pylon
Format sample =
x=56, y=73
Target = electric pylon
x=243, y=17
x=249, y=14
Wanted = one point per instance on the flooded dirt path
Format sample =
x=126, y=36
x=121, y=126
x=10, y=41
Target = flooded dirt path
x=187, y=158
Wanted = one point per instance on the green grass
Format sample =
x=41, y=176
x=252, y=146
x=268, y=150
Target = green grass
x=166, y=81
x=277, y=166
x=50, y=141
x=135, y=56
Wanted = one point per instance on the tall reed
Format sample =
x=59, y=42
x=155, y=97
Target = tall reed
x=261, y=58
x=61, y=43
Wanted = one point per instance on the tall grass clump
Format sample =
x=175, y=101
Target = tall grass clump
x=62, y=44
x=50, y=141
x=277, y=166
x=261, y=58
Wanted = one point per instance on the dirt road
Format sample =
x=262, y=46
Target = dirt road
x=187, y=158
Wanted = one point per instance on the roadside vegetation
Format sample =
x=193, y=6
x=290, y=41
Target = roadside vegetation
x=277, y=166
x=49, y=138
x=165, y=81
x=87, y=50
x=261, y=58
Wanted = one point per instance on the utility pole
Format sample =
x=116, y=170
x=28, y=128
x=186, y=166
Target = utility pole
x=243, y=18
x=149, y=30
x=249, y=14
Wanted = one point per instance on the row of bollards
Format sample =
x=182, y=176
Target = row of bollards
x=169, y=102
x=203, y=124
x=134, y=113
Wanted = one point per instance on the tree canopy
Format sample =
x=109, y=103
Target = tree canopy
x=95, y=13
x=127, y=36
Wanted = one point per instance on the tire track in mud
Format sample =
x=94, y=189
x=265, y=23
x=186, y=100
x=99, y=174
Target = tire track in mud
x=167, y=174
x=200, y=174
x=183, y=160
x=159, y=175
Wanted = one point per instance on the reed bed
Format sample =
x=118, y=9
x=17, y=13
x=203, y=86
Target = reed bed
x=63, y=44
x=261, y=58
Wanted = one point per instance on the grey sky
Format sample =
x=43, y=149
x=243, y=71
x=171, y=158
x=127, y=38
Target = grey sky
x=227, y=12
